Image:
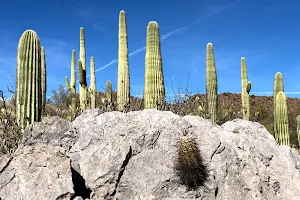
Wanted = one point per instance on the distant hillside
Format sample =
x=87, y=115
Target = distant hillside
x=263, y=105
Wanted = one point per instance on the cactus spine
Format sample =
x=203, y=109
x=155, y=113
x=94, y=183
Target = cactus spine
x=83, y=86
x=92, y=89
x=278, y=86
x=71, y=86
x=211, y=83
x=281, y=118
x=154, y=89
x=29, y=89
x=123, y=93
x=298, y=128
x=246, y=87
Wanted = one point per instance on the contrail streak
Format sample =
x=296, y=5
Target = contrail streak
x=165, y=36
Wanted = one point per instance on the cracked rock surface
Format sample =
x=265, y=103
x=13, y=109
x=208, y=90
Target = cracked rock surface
x=132, y=156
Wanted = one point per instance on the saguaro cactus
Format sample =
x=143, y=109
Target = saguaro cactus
x=298, y=128
x=29, y=89
x=71, y=86
x=43, y=76
x=123, y=93
x=83, y=89
x=92, y=89
x=108, y=92
x=211, y=83
x=246, y=87
x=278, y=86
x=281, y=118
x=154, y=89
x=83, y=86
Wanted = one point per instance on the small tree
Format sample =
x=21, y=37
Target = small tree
x=61, y=97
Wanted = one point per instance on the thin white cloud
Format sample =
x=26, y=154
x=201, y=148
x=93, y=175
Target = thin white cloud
x=167, y=35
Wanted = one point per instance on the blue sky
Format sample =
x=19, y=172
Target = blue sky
x=265, y=32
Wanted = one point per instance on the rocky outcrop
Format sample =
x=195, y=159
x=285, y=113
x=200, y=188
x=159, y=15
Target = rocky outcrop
x=134, y=156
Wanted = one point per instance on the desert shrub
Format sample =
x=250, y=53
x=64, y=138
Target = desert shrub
x=10, y=133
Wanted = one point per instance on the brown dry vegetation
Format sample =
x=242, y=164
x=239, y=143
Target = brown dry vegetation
x=229, y=106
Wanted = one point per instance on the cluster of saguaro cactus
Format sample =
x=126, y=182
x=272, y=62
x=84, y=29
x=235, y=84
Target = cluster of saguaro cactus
x=31, y=79
x=71, y=86
x=281, y=120
x=123, y=93
x=154, y=89
x=246, y=87
x=211, y=83
x=84, y=91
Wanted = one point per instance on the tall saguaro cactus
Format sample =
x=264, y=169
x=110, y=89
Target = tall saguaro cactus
x=71, y=86
x=154, y=89
x=211, y=83
x=43, y=76
x=29, y=88
x=281, y=120
x=246, y=87
x=83, y=88
x=93, y=83
x=278, y=86
x=123, y=93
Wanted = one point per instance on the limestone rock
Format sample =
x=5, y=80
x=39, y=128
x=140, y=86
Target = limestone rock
x=36, y=172
x=132, y=156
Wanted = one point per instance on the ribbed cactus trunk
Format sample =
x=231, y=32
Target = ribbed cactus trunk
x=92, y=89
x=154, y=89
x=282, y=135
x=43, y=77
x=123, y=93
x=211, y=83
x=71, y=86
x=83, y=88
x=298, y=128
x=278, y=86
x=246, y=87
x=29, y=88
